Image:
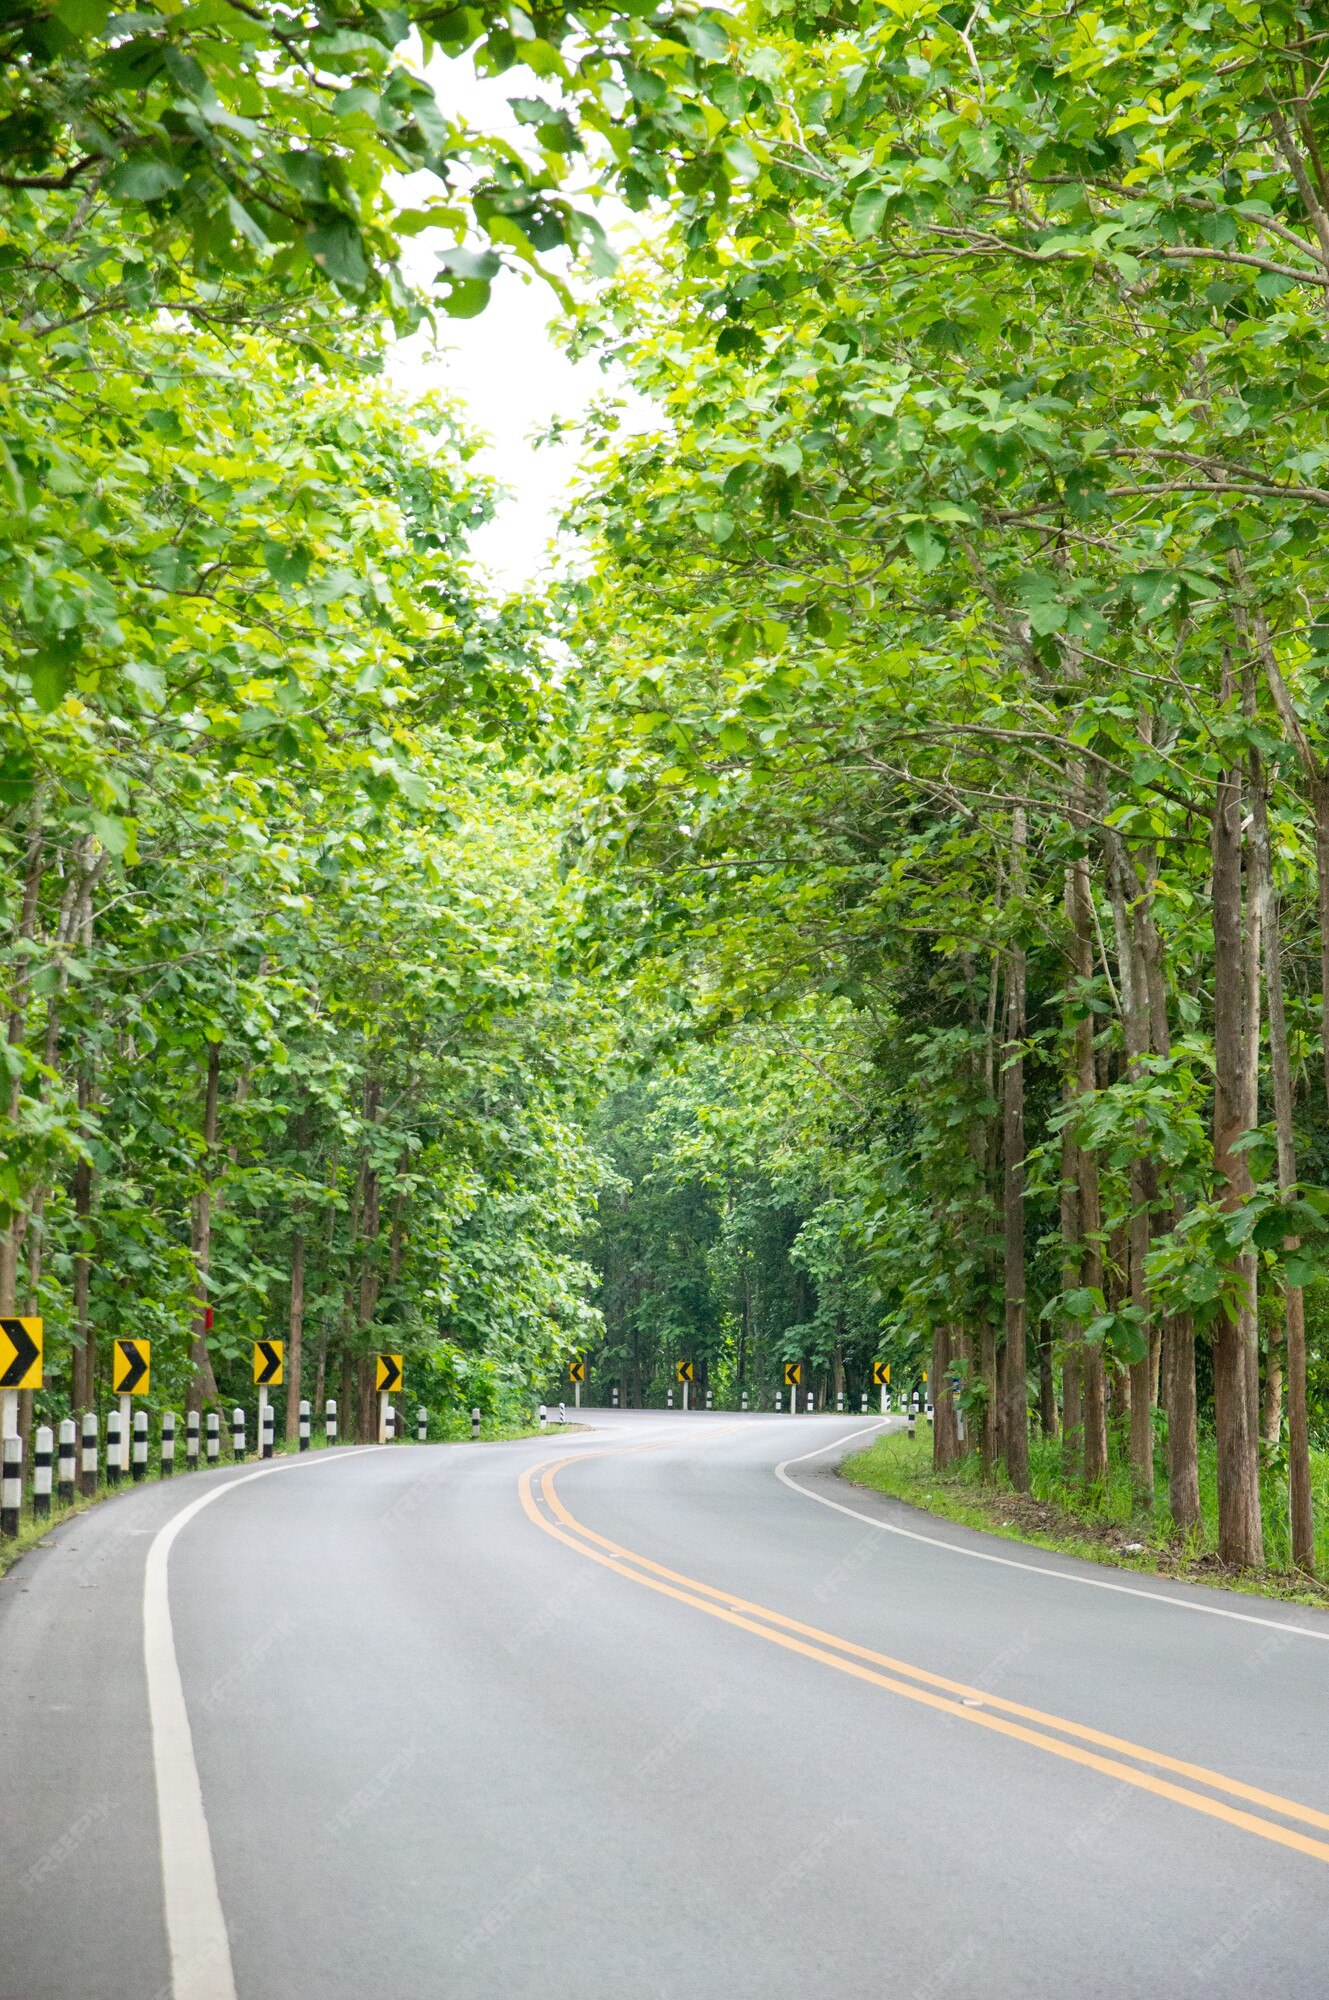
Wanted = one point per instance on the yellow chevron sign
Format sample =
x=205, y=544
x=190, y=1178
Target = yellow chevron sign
x=20, y=1354
x=131, y=1367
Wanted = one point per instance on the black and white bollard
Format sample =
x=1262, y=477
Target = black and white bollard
x=41, y=1472
x=88, y=1470
x=743, y=1401
x=865, y=1402
x=304, y=1426
x=812, y=1404
x=613, y=1397
x=330, y=1420
x=168, y=1443
x=265, y=1442
x=839, y=1402
x=191, y=1439
x=475, y=1423
x=214, y=1437
x=11, y=1485
x=544, y=1418
x=140, y=1459
x=113, y=1466
x=562, y=1413
x=709, y=1401
x=912, y=1414
x=64, y=1484
x=779, y=1403
x=669, y=1399
x=422, y=1425
x=238, y=1435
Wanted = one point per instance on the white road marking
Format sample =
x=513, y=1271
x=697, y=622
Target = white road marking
x=200, y=1951
x=1035, y=1569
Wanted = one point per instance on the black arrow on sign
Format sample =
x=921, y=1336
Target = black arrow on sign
x=271, y=1361
x=25, y=1348
x=136, y=1366
x=391, y=1373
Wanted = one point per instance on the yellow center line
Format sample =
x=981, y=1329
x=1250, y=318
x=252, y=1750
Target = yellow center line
x=812, y=1643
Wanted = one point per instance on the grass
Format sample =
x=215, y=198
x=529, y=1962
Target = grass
x=1105, y=1526
x=32, y=1532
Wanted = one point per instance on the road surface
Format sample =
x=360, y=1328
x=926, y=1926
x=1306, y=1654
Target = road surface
x=636, y=1715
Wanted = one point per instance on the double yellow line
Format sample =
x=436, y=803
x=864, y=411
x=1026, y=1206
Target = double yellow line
x=1052, y=1733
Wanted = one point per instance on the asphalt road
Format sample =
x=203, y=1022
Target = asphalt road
x=442, y=1721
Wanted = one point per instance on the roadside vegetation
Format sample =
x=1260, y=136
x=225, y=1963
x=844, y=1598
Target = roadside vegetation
x=872, y=904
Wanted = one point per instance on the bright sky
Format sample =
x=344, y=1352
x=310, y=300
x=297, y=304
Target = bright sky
x=505, y=365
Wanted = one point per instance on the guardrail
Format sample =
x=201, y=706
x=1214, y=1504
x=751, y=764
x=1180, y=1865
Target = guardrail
x=93, y=1456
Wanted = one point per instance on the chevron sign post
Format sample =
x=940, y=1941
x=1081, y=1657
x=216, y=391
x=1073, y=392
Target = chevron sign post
x=269, y=1373
x=387, y=1379
x=20, y=1367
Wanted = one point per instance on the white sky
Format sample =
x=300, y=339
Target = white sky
x=504, y=364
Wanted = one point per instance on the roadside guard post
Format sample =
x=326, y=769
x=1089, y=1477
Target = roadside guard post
x=20, y=1367
x=41, y=1472
x=613, y=1397
x=269, y=1373
x=65, y=1479
x=113, y=1447
x=422, y=1425
x=11, y=1484
x=577, y=1375
x=140, y=1464
x=387, y=1377
x=191, y=1439
x=88, y=1467
x=214, y=1437
x=238, y=1435
x=743, y=1405
x=330, y=1420
x=475, y=1423
x=168, y=1443
x=544, y=1418
x=304, y=1426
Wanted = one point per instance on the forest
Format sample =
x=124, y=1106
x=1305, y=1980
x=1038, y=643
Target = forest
x=871, y=903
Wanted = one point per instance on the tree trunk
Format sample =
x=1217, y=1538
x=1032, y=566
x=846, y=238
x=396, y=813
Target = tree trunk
x=204, y=1387
x=945, y=1441
x=1072, y=1350
x=1093, y=1379
x=1016, y=1387
x=1301, y=1518
x=296, y=1335
x=1240, y=1533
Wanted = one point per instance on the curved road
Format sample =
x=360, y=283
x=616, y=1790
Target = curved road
x=634, y=1714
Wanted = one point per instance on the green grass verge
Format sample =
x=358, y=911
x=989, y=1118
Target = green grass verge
x=1105, y=1526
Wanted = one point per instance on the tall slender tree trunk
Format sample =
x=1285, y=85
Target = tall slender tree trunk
x=945, y=1439
x=295, y=1339
x=204, y=1388
x=1016, y=1387
x=11, y=1234
x=1093, y=1377
x=1240, y=1533
x=1072, y=1355
x=1301, y=1517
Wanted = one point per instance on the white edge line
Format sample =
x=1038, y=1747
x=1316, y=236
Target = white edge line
x=199, y=1949
x=1014, y=1562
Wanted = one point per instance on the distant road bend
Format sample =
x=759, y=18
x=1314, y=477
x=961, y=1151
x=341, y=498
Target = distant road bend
x=653, y=1711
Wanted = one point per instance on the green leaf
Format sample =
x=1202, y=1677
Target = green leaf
x=865, y=217
x=336, y=248
x=143, y=179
